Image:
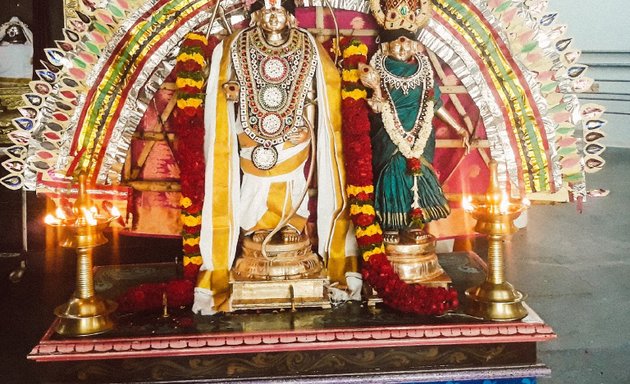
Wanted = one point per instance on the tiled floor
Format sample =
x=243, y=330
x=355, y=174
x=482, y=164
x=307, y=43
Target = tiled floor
x=576, y=270
x=574, y=267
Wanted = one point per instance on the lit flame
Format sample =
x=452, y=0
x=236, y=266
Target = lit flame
x=50, y=219
x=60, y=214
x=89, y=216
x=504, y=205
x=115, y=212
x=467, y=204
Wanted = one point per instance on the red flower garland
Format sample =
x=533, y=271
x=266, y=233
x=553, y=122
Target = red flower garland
x=188, y=121
x=377, y=270
x=189, y=126
x=146, y=297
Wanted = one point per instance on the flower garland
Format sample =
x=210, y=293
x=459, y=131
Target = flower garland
x=410, y=144
x=150, y=296
x=188, y=121
x=377, y=270
x=393, y=126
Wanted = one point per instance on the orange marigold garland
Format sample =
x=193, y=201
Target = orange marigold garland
x=377, y=270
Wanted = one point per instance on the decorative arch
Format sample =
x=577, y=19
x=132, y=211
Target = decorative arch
x=112, y=69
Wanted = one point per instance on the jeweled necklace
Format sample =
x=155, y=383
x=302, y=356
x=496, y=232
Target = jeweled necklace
x=274, y=83
x=410, y=143
x=403, y=83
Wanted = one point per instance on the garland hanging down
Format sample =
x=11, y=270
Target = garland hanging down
x=189, y=127
x=377, y=270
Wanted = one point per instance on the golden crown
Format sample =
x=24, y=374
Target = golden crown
x=409, y=15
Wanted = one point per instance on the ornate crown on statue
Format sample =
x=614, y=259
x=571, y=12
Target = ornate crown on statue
x=409, y=15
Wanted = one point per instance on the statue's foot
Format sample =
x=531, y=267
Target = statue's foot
x=259, y=236
x=290, y=235
x=417, y=235
x=391, y=237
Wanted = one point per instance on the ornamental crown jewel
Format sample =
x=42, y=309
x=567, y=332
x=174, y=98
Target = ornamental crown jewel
x=255, y=5
x=410, y=15
x=272, y=4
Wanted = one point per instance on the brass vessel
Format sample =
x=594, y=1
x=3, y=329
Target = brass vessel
x=495, y=299
x=416, y=261
x=85, y=313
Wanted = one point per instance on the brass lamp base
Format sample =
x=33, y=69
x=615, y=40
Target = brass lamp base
x=496, y=302
x=85, y=317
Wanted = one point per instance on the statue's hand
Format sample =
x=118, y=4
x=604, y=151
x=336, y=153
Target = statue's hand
x=376, y=104
x=231, y=90
x=298, y=137
x=369, y=77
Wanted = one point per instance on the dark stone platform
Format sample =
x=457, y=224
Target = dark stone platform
x=350, y=343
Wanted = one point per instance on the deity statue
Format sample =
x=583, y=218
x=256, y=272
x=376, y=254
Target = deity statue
x=13, y=33
x=273, y=94
x=16, y=50
x=404, y=100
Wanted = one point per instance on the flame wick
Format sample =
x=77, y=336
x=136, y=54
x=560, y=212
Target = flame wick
x=89, y=216
x=50, y=219
x=115, y=212
x=467, y=204
x=504, y=205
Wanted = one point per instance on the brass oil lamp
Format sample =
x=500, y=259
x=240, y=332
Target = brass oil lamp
x=82, y=228
x=495, y=299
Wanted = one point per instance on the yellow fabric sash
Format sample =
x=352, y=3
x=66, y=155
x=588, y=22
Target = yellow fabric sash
x=217, y=279
x=338, y=261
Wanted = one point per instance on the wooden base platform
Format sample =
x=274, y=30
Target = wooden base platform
x=345, y=344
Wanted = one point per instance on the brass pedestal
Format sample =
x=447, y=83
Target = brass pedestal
x=85, y=317
x=283, y=261
x=290, y=275
x=417, y=262
x=85, y=313
x=496, y=299
x=497, y=302
x=275, y=294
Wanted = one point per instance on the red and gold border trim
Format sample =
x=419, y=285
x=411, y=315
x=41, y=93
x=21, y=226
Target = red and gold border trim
x=49, y=349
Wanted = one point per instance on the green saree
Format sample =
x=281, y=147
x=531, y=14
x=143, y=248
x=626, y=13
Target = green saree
x=393, y=187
